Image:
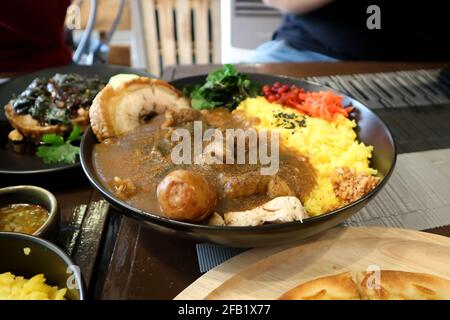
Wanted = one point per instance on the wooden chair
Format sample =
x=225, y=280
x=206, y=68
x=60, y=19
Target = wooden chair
x=176, y=32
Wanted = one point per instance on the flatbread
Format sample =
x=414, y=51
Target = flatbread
x=337, y=287
x=387, y=285
x=400, y=285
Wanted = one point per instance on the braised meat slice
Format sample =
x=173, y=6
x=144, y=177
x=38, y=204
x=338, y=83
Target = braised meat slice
x=176, y=118
x=278, y=187
x=243, y=185
x=253, y=183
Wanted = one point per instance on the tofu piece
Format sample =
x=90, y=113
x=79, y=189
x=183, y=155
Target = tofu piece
x=216, y=220
x=278, y=210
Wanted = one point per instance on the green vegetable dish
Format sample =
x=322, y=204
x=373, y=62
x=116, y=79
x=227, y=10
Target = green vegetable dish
x=50, y=109
x=225, y=87
x=56, y=150
x=58, y=99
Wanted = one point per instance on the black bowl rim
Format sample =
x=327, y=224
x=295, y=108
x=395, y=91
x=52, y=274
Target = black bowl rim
x=53, y=248
x=310, y=220
x=53, y=212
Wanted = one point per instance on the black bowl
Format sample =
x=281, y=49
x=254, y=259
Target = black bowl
x=44, y=257
x=371, y=130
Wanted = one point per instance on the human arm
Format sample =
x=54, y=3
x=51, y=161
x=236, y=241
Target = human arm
x=296, y=6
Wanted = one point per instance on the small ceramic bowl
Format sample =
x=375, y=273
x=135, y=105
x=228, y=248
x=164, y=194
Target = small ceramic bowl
x=37, y=196
x=42, y=257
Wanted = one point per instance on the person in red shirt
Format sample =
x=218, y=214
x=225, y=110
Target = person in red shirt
x=32, y=35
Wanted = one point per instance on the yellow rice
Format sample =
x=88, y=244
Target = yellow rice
x=19, y=288
x=328, y=145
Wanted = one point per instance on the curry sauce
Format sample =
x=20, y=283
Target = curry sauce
x=133, y=164
x=25, y=218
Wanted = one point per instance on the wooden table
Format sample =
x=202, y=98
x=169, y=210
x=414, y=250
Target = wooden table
x=138, y=263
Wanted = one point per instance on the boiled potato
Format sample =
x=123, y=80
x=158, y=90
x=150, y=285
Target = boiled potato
x=186, y=196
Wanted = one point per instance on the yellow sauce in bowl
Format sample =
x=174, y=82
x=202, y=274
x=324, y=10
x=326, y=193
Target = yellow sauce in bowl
x=24, y=218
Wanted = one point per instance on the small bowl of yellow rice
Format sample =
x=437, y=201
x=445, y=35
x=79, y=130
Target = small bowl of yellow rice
x=35, y=269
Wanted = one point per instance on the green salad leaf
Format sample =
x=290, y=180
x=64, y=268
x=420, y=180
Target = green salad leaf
x=225, y=87
x=56, y=150
x=75, y=135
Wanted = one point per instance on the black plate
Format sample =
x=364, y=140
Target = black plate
x=19, y=158
x=371, y=130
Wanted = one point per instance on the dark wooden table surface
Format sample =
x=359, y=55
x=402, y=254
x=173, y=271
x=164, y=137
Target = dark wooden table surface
x=128, y=261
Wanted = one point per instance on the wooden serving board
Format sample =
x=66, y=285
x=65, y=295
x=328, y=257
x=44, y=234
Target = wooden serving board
x=266, y=273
